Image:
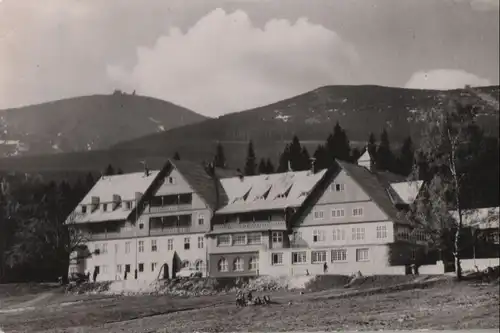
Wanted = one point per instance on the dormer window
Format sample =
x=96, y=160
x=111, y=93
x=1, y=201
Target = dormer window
x=284, y=194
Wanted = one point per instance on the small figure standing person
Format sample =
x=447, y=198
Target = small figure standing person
x=135, y=274
x=325, y=268
x=94, y=277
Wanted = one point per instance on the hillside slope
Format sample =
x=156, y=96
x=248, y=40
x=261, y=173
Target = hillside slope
x=359, y=109
x=86, y=123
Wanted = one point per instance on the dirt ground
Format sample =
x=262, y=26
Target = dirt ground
x=444, y=306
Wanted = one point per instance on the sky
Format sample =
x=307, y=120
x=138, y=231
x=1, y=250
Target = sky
x=221, y=56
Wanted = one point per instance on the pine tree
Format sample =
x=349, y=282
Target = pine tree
x=384, y=156
x=109, y=170
x=372, y=148
x=284, y=159
x=119, y=171
x=321, y=157
x=305, y=163
x=262, y=167
x=251, y=162
x=406, y=157
x=269, y=166
x=337, y=144
x=220, y=158
x=295, y=155
x=355, y=154
x=177, y=156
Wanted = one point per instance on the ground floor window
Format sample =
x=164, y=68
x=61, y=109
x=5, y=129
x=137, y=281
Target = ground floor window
x=141, y=267
x=199, y=265
x=185, y=264
x=339, y=255
x=153, y=266
x=118, y=268
x=361, y=254
x=222, y=265
x=253, y=264
x=277, y=259
x=238, y=265
x=299, y=257
x=318, y=257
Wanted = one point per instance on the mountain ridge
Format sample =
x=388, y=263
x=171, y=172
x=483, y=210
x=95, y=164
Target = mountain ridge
x=311, y=116
x=86, y=123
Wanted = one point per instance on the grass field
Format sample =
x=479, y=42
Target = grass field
x=447, y=305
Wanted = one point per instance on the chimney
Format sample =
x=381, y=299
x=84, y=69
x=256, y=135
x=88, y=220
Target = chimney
x=116, y=201
x=313, y=162
x=146, y=170
x=95, y=203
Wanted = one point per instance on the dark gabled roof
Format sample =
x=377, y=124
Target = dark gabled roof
x=205, y=185
x=377, y=188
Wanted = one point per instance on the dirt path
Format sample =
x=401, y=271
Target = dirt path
x=27, y=305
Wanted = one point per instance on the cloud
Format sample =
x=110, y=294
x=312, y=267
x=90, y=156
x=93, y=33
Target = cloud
x=485, y=5
x=444, y=79
x=224, y=63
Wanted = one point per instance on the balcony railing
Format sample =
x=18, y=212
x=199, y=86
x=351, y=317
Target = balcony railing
x=167, y=208
x=250, y=225
x=170, y=231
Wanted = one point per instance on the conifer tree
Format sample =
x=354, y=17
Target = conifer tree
x=262, y=167
x=384, y=155
x=220, y=157
x=269, y=166
x=251, y=162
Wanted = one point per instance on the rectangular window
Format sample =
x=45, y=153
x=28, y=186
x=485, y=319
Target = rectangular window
x=318, y=236
x=361, y=254
x=277, y=259
x=299, y=257
x=153, y=266
x=381, y=231
x=254, y=239
x=339, y=255
x=118, y=269
x=127, y=268
x=104, y=248
x=104, y=207
x=201, y=219
x=358, y=233
x=201, y=241
x=337, y=187
x=84, y=209
x=239, y=239
x=170, y=244
x=141, y=246
x=116, y=248
x=127, y=247
x=223, y=240
x=141, y=225
x=141, y=267
x=187, y=244
x=277, y=237
x=318, y=214
x=171, y=180
x=318, y=257
x=338, y=234
x=357, y=212
x=338, y=212
x=128, y=205
x=154, y=247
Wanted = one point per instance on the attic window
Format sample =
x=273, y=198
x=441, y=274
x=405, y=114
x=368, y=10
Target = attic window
x=284, y=194
x=128, y=205
x=337, y=187
x=104, y=207
x=84, y=209
x=171, y=180
x=264, y=195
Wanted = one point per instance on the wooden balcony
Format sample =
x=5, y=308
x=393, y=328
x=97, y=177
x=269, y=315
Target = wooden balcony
x=168, y=208
x=262, y=225
x=170, y=231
